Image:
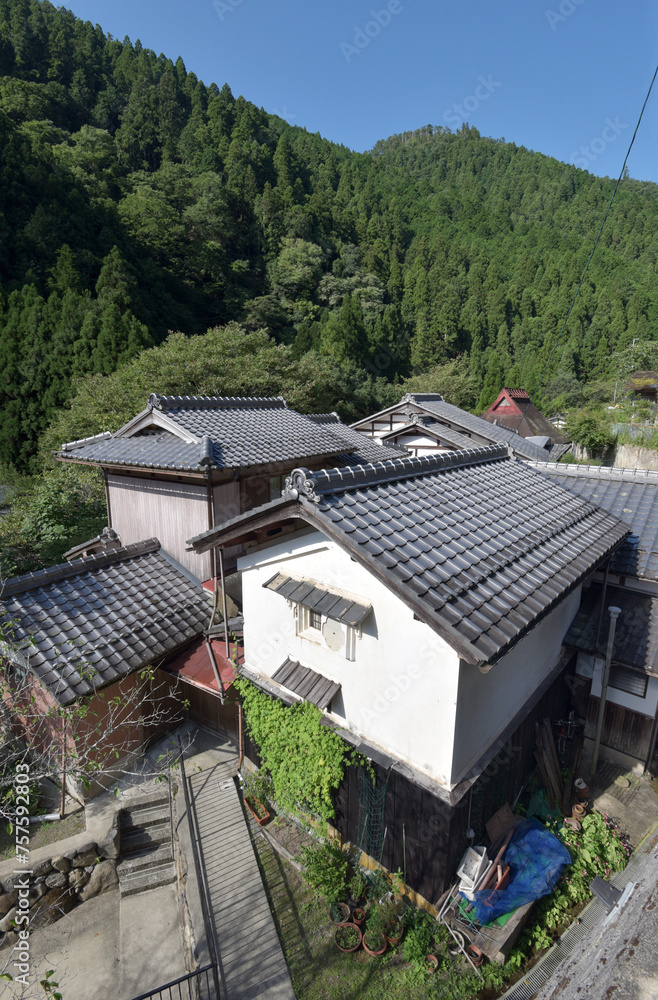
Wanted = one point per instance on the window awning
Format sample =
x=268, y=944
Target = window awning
x=306, y=683
x=327, y=602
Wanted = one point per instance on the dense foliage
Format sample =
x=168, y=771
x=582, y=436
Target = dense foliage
x=135, y=200
x=305, y=760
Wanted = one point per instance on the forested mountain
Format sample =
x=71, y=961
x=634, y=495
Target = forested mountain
x=136, y=200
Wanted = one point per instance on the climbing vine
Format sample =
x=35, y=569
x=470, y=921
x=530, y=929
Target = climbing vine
x=305, y=759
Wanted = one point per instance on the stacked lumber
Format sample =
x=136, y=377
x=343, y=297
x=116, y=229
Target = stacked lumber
x=549, y=766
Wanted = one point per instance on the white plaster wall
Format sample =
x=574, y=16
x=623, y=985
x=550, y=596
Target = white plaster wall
x=590, y=666
x=399, y=692
x=487, y=702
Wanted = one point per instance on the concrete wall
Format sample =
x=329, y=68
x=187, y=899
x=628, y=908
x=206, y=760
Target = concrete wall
x=487, y=702
x=400, y=689
x=622, y=456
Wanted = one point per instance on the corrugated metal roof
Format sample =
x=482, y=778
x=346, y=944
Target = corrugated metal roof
x=85, y=624
x=318, y=598
x=306, y=683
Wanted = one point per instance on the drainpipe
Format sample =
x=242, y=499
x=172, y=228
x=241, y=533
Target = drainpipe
x=221, y=574
x=602, y=605
x=614, y=614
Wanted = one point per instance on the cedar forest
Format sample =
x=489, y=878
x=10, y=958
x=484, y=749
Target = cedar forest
x=135, y=200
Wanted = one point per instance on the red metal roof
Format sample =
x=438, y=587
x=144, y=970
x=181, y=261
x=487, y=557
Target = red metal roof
x=194, y=667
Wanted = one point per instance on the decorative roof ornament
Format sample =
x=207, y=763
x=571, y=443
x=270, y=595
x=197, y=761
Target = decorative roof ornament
x=300, y=484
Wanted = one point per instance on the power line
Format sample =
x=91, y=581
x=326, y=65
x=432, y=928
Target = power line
x=596, y=243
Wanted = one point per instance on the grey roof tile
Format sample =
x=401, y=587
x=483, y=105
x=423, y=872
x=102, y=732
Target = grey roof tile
x=542, y=540
x=636, y=634
x=77, y=649
x=228, y=433
x=629, y=494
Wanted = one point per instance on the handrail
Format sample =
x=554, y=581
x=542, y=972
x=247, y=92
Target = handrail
x=158, y=994
x=201, y=876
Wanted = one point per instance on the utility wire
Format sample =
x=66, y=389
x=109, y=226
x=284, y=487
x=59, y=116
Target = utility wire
x=596, y=243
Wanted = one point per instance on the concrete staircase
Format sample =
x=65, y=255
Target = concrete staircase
x=146, y=857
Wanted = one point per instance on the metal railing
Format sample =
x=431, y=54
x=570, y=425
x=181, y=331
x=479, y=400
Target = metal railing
x=204, y=892
x=199, y=985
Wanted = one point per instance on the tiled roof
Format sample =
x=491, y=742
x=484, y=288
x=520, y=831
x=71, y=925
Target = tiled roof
x=476, y=425
x=438, y=431
x=629, y=494
x=479, y=545
x=85, y=624
x=215, y=432
x=318, y=598
x=361, y=447
x=306, y=683
x=636, y=633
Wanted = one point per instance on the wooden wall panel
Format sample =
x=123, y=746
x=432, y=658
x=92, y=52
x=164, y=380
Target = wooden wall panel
x=622, y=729
x=171, y=512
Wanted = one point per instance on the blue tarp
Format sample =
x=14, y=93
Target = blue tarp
x=536, y=859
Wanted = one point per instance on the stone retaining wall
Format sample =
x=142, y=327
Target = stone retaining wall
x=63, y=875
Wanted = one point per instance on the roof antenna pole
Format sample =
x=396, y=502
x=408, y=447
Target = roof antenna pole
x=224, y=611
x=614, y=614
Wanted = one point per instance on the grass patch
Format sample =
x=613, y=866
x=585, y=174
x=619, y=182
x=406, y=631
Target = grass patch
x=42, y=834
x=321, y=972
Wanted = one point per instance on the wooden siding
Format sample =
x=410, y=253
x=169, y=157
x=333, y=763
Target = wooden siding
x=207, y=710
x=171, y=512
x=623, y=729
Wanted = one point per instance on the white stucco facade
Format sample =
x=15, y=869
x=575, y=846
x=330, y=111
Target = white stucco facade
x=400, y=690
x=486, y=703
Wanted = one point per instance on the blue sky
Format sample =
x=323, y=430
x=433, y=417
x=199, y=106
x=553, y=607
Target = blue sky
x=562, y=77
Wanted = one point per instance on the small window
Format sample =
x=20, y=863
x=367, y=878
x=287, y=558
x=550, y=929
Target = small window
x=315, y=620
x=629, y=681
x=275, y=487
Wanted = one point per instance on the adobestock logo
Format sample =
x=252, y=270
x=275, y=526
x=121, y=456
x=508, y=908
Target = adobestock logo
x=459, y=113
x=380, y=19
x=587, y=154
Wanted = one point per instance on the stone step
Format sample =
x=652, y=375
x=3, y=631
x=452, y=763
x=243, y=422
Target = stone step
x=151, y=878
x=140, y=819
x=144, y=859
x=147, y=800
x=137, y=839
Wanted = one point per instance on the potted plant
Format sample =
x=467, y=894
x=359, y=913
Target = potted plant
x=374, y=940
x=431, y=963
x=339, y=913
x=391, y=913
x=257, y=787
x=358, y=916
x=347, y=937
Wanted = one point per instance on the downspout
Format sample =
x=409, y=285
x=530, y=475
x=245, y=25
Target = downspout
x=602, y=605
x=107, y=499
x=224, y=610
x=240, y=734
x=614, y=614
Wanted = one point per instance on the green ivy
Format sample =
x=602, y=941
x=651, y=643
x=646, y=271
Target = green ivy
x=305, y=759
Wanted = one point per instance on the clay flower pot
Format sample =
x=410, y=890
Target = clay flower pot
x=582, y=791
x=344, y=911
x=258, y=811
x=347, y=937
x=396, y=937
x=578, y=810
x=379, y=950
x=358, y=916
x=475, y=955
x=572, y=823
x=431, y=963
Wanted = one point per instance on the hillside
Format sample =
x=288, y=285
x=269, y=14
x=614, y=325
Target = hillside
x=136, y=200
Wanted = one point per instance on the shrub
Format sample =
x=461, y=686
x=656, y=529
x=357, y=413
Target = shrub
x=325, y=870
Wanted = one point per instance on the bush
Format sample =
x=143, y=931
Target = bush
x=325, y=870
x=589, y=430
